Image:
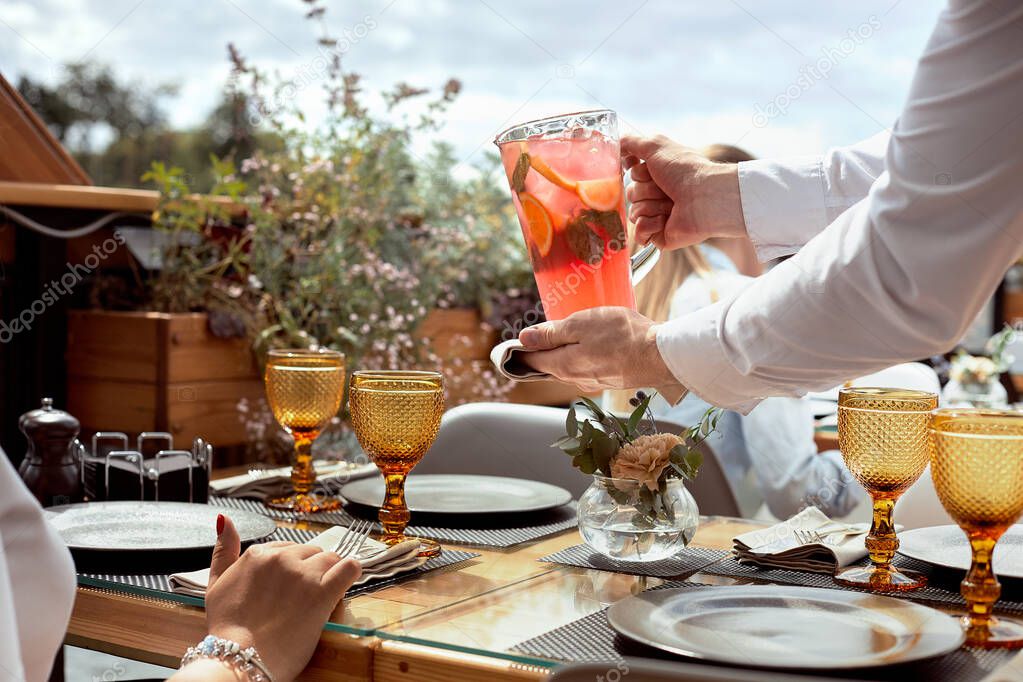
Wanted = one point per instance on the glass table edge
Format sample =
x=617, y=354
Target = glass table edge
x=510, y=656
x=380, y=631
x=187, y=600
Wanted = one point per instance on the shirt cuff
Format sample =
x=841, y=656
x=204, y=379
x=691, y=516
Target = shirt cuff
x=691, y=348
x=783, y=204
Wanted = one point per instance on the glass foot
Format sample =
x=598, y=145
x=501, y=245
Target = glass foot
x=305, y=504
x=874, y=579
x=1000, y=633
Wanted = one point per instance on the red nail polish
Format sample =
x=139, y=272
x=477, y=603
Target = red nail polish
x=220, y=524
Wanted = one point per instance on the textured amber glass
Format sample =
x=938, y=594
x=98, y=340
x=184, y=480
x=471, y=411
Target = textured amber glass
x=396, y=416
x=883, y=434
x=305, y=389
x=977, y=466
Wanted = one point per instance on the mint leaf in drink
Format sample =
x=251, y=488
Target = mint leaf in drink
x=584, y=242
x=608, y=222
x=518, y=178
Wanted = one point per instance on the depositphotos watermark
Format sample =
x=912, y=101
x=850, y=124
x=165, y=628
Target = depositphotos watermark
x=811, y=74
x=558, y=291
x=75, y=273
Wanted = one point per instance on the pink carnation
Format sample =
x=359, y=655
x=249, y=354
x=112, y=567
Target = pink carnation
x=645, y=458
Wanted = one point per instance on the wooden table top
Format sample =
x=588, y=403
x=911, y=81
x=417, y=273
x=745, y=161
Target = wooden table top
x=450, y=624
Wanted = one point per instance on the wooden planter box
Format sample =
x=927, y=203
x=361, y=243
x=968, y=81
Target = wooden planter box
x=135, y=372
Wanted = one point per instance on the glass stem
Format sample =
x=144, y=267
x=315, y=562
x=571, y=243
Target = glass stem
x=881, y=541
x=980, y=588
x=394, y=514
x=302, y=474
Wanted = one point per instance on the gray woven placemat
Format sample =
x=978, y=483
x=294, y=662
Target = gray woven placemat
x=558, y=521
x=720, y=562
x=161, y=582
x=591, y=639
x=688, y=561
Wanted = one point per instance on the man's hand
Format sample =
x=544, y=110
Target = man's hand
x=678, y=196
x=597, y=349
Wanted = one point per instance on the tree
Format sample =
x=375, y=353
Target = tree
x=115, y=128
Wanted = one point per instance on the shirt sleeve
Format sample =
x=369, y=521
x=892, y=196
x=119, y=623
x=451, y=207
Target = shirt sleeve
x=786, y=203
x=901, y=274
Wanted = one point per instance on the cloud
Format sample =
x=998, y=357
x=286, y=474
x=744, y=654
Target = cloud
x=693, y=69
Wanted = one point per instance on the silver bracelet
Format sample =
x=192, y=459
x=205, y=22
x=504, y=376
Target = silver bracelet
x=246, y=660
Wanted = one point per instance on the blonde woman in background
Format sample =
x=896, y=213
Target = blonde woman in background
x=769, y=456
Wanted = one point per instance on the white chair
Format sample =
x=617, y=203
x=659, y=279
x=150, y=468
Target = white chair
x=503, y=439
x=507, y=439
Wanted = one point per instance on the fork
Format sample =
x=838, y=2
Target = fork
x=352, y=541
x=808, y=537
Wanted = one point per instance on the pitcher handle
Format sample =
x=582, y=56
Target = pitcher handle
x=643, y=261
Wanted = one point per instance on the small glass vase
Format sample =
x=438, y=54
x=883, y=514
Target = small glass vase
x=623, y=520
x=990, y=394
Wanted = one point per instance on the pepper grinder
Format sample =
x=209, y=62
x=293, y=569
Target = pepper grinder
x=51, y=468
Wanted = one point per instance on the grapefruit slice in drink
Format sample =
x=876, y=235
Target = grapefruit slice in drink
x=602, y=194
x=538, y=222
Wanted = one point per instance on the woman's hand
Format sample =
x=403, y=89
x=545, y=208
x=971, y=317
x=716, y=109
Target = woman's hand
x=678, y=196
x=275, y=597
x=599, y=348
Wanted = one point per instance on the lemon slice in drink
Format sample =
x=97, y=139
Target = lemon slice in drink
x=538, y=222
x=602, y=194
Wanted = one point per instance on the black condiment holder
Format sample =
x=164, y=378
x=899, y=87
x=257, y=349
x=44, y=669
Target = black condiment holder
x=153, y=470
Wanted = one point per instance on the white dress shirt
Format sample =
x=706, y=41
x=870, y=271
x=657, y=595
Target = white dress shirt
x=773, y=446
x=896, y=253
x=37, y=583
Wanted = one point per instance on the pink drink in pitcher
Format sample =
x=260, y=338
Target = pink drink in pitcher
x=566, y=179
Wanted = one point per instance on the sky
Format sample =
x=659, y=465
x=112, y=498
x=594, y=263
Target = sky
x=777, y=77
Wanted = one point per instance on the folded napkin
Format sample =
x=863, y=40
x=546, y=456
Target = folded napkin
x=778, y=546
x=377, y=559
x=269, y=483
x=507, y=357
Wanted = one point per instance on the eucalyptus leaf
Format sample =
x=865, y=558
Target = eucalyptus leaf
x=643, y=521
x=604, y=448
x=571, y=424
x=584, y=463
x=637, y=414
x=566, y=441
x=593, y=407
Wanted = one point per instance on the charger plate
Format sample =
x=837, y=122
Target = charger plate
x=124, y=526
x=947, y=547
x=785, y=627
x=463, y=494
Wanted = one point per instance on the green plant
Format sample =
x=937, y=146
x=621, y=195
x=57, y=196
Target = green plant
x=339, y=235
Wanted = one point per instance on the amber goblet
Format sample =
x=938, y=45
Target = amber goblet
x=883, y=435
x=396, y=415
x=977, y=467
x=305, y=389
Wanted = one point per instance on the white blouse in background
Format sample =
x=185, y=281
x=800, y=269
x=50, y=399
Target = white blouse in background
x=900, y=241
x=37, y=583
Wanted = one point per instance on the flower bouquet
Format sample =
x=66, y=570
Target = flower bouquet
x=637, y=508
